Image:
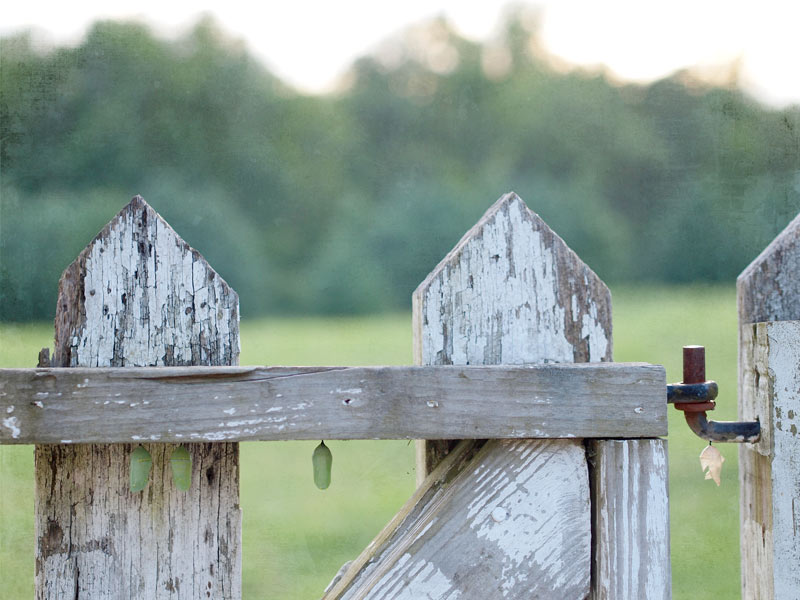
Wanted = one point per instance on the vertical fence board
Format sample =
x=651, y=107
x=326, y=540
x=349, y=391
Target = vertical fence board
x=138, y=295
x=768, y=294
x=630, y=504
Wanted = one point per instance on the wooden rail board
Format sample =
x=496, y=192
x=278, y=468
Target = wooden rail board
x=182, y=404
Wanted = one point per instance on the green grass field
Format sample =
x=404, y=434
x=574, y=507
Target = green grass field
x=296, y=537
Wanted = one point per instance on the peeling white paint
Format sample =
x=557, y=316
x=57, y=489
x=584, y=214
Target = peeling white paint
x=594, y=331
x=246, y=422
x=229, y=411
x=12, y=424
x=353, y=391
x=10, y=409
x=784, y=370
x=509, y=272
x=39, y=404
x=632, y=522
x=128, y=310
x=427, y=582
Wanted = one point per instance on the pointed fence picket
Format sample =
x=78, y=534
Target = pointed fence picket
x=567, y=498
x=137, y=296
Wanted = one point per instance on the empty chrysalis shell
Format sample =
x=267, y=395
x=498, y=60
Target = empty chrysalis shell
x=322, y=461
x=181, y=464
x=140, y=468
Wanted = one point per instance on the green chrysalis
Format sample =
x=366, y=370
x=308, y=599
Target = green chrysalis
x=181, y=464
x=140, y=468
x=322, y=461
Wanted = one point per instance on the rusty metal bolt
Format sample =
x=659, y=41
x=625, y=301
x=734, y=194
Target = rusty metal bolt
x=694, y=364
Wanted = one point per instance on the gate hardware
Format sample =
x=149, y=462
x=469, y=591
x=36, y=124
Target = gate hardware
x=694, y=396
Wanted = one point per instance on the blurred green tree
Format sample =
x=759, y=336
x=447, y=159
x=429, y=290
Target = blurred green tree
x=343, y=202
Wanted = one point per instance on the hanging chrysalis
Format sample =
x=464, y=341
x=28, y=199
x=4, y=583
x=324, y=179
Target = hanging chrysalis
x=140, y=468
x=711, y=460
x=181, y=464
x=322, y=461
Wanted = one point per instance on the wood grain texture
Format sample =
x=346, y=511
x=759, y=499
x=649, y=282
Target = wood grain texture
x=510, y=292
x=139, y=296
x=630, y=504
x=279, y=403
x=768, y=298
x=472, y=538
x=769, y=471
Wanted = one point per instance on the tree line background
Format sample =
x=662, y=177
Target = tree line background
x=342, y=203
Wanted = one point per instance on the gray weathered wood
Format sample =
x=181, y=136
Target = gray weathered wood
x=278, y=403
x=768, y=294
x=472, y=537
x=630, y=503
x=510, y=292
x=138, y=295
x=769, y=471
x=516, y=521
x=768, y=289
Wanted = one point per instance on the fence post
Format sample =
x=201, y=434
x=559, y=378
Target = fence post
x=513, y=518
x=768, y=296
x=138, y=295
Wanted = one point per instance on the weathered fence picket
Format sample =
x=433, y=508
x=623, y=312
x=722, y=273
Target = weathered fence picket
x=768, y=294
x=138, y=295
x=516, y=520
x=581, y=512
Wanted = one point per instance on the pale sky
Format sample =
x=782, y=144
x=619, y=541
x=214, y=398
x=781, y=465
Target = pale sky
x=309, y=44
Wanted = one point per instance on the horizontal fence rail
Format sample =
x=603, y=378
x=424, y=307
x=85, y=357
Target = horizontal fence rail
x=184, y=404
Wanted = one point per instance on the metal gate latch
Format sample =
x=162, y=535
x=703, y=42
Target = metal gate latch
x=694, y=396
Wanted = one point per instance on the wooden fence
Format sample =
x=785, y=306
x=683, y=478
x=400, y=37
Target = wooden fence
x=512, y=344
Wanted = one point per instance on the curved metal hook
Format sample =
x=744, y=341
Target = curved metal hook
x=694, y=396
